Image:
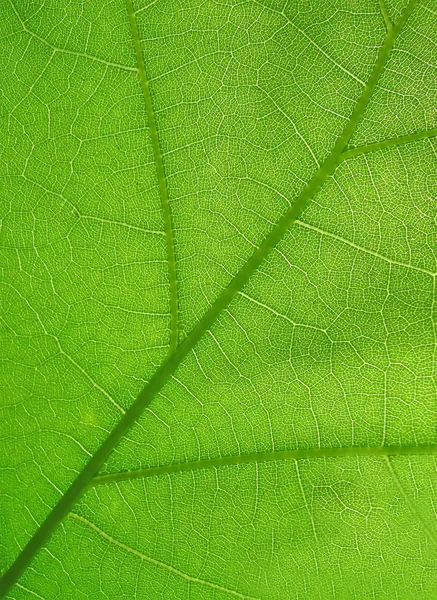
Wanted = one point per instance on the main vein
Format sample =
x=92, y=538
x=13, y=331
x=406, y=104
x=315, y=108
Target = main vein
x=173, y=360
x=162, y=182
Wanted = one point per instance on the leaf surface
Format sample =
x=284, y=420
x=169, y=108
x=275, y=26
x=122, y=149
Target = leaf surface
x=218, y=304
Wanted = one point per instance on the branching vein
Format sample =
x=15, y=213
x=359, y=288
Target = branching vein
x=265, y=457
x=162, y=182
x=385, y=14
x=363, y=249
x=396, y=141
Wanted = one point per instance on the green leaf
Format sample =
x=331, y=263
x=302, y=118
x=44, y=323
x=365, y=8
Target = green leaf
x=219, y=322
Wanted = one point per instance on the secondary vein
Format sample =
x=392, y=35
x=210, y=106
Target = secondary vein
x=395, y=141
x=265, y=457
x=173, y=360
x=385, y=15
x=162, y=182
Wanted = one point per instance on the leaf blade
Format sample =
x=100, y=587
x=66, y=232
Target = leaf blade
x=81, y=483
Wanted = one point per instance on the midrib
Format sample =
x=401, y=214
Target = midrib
x=171, y=363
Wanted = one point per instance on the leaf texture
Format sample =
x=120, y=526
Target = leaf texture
x=219, y=326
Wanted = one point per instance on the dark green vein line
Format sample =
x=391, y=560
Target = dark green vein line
x=171, y=363
x=385, y=15
x=396, y=141
x=162, y=183
x=264, y=457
